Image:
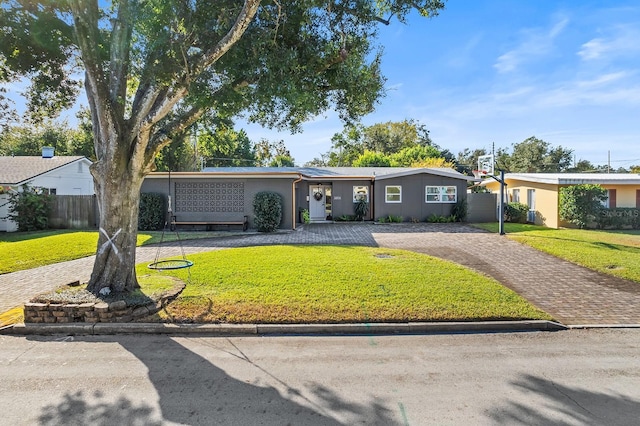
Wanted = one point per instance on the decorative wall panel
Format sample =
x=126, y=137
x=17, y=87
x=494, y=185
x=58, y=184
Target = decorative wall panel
x=217, y=197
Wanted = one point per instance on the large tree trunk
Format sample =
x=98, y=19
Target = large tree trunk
x=117, y=185
x=126, y=147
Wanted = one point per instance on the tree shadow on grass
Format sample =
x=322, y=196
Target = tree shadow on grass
x=564, y=405
x=194, y=391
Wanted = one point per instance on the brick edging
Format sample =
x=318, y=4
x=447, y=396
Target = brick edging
x=94, y=312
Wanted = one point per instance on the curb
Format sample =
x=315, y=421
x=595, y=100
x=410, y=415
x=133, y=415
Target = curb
x=283, y=329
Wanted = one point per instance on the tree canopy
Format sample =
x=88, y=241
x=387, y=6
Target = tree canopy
x=534, y=155
x=397, y=144
x=153, y=68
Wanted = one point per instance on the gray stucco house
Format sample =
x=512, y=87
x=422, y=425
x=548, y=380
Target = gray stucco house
x=226, y=193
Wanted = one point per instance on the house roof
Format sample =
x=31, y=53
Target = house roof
x=574, y=178
x=336, y=172
x=20, y=170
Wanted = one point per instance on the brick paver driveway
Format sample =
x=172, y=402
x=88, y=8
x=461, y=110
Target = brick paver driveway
x=572, y=294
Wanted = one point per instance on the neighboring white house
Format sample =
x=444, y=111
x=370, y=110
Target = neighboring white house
x=55, y=175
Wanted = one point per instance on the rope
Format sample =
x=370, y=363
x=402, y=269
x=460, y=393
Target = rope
x=170, y=264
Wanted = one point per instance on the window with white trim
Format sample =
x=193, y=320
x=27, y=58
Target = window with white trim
x=393, y=194
x=441, y=194
x=360, y=193
x=515, y=195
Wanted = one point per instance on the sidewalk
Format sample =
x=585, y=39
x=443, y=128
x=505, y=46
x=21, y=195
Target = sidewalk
x=573, y=295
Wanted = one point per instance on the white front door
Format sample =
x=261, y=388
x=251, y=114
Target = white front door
x=317, y=202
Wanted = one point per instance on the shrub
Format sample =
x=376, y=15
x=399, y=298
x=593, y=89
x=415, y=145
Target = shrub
x=516, y=212
x=618, y=218
x=459, y=210
x=360, y=208
x=30, y=209
x=581, y=204
x=306, y=216
x=267, y=208
x=434, y=218
x=390, y=219
x=152, y=211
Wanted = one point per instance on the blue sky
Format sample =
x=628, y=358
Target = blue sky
x=500, y=71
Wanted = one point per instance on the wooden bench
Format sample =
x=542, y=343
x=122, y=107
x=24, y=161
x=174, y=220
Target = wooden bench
x=209, y=223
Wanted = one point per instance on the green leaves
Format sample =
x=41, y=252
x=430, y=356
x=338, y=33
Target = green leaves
x=30, y=209
x=267, y=207
x=580, y=204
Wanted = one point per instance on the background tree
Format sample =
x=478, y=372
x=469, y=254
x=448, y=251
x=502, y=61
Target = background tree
x=346, y=146
x=226, y=147
x=408, y=157
x=270, y=154
x=467, y=160
x=82, y=141
x=582, y=166
x=534, y=155
x=180, y=155
x=402, y=143
x=392, y=137
x=435, y=163
x=372, y=159
x=28, y=139
x=152, y=69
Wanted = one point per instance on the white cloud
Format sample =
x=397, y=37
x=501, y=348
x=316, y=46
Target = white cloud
x=623, y=42
x=537, y=42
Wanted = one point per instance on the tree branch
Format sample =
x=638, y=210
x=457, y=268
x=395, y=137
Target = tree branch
x=233, y=35
x=179, y=124
x=119, y=56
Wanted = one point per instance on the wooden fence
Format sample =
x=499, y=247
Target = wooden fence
x=73, y=212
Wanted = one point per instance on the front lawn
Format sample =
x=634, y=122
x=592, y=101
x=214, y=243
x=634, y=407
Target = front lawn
x=331, y=284
x=26, y=250
x=611, y=252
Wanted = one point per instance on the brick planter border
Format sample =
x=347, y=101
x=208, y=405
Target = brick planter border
x=118, y=311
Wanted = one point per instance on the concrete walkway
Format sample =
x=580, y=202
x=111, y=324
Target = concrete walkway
x=573, y=295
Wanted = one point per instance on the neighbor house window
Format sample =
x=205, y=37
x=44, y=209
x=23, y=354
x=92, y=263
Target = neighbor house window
x=516, y=195
x=610, y=202
x=441, y=194
x=393, y=193
x=360, y=193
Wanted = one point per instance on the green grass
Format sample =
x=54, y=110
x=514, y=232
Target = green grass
x=26, y=250
x=611, y=252
x=330, y=284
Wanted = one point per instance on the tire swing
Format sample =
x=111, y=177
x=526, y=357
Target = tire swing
x=170, y=264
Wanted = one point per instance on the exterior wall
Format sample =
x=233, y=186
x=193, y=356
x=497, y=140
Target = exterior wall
x=413, y=205
x=6, y=225
x=546, y=208
x=547, y=199
x=343, y=197
x=202, y=210
x=625, y=194
x=72, y=179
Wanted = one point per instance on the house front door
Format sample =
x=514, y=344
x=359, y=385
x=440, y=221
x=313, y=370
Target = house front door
x=318, y=201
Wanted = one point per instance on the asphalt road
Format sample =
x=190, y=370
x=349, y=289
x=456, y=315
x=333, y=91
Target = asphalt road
x=577, y=377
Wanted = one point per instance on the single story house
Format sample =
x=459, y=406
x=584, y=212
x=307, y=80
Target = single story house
x=328, y=193
x=540, y=191
x=66, y=175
